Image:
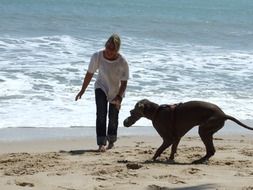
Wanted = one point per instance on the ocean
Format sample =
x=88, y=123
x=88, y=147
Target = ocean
x=177, y=50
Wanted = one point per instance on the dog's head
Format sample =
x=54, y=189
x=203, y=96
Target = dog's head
x=136, y=113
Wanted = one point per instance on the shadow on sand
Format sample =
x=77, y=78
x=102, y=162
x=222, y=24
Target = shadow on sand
x=169, y=162
x=78, y=152
x=197, y=187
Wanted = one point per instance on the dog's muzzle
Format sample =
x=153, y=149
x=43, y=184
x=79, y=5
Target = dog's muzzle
x=127, y=122
x=130, y=120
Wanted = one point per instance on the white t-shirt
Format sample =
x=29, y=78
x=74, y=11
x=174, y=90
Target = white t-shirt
x=110, y=73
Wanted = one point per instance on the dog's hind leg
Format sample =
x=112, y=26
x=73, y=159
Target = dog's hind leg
x=161, y=149
x=206, y=132
x=174, y=149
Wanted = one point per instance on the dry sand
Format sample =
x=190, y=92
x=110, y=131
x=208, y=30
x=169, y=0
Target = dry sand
x=74, y=164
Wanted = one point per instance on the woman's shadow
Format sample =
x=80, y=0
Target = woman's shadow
x=79, y=152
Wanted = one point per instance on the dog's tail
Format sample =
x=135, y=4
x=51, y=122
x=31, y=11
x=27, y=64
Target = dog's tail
x=238, y=122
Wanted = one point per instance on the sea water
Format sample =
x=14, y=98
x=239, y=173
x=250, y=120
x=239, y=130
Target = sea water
x=177, y=51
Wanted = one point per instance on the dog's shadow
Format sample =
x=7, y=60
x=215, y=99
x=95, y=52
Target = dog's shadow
x=78, y=152
x=164, y=161
x=168, y=162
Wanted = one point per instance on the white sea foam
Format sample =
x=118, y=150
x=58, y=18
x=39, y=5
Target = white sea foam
x=39, y=78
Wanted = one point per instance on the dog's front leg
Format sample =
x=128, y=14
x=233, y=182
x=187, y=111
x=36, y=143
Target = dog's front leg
x=161, y=149
x=174, y=149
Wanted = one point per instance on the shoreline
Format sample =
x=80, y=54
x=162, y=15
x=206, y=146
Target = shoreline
x=49, y=145
x=74, y=164
x=13, y=134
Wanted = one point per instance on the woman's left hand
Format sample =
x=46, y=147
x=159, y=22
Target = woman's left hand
x=117, y=101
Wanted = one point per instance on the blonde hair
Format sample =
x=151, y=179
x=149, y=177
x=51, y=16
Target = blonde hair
x=115, y=39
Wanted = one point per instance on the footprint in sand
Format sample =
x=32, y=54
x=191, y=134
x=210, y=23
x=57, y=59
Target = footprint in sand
x=66, y=188
x=244, y=174
x=248, y=188
x=133, y=166
x=171, y=178
x=193, y=170
x=24, y=184
x=101, y=179
x=156, y=187
x=247, y=152
x=122, y=161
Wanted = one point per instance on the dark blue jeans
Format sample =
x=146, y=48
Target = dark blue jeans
x=102, y=110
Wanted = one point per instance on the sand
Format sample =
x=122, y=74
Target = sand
x=74, y=164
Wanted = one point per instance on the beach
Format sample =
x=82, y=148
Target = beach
x=74, y=164
x=177, y=51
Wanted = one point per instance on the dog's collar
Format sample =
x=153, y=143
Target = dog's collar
x=172, y=108
x=155, y=113
x=163, y=106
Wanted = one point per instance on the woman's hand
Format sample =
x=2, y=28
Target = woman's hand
x=79, y=95
x=117, y=101
x=86, y=82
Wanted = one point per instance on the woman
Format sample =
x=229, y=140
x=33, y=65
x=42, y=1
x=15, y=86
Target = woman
x=110, y=86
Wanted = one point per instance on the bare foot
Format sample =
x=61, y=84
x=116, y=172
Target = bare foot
x=110, y=146
x=101, y=148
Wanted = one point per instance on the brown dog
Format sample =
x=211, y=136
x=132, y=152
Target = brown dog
x=173, y=121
